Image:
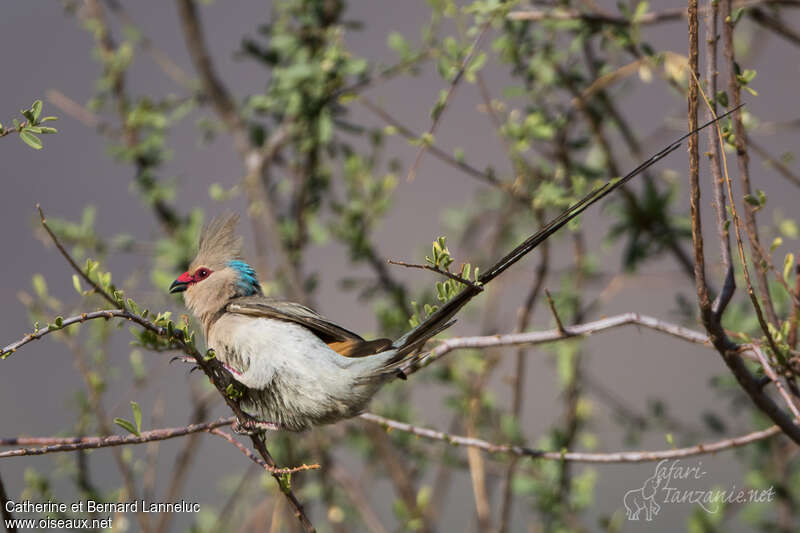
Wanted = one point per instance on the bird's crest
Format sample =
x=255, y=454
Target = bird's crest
x=219, y=243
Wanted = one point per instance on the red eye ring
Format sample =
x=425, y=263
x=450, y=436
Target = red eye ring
x=202, y=273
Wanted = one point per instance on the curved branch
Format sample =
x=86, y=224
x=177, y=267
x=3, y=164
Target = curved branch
x=541, y=337
x=578, y=457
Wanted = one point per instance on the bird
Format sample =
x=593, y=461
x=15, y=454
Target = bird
x=299, y=369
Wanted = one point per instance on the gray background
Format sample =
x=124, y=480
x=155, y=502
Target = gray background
x=42, y=48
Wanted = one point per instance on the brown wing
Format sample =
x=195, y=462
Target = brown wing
x=339, y=339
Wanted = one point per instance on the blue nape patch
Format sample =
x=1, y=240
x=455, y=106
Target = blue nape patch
x=247, y=282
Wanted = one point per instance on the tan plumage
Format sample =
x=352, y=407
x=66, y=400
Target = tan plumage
x=218, y=243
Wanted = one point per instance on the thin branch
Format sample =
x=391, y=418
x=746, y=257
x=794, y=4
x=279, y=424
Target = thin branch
x=486, y=177
x=167, y=65
x=439, y=112
x=382, y=76
x=47, y=445
x=447, y=274
x=216, y=91
x=257, y=460
x=718, y=182
x=656, y=17
x=770, y=372
x=743, y=160
x=559, y=324
x=78, y=319
x=571, y=332
x=580, y=457
x=778, y=165
x=72, y=262
x=762, y=18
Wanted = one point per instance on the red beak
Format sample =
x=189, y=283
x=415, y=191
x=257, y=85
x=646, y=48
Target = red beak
x=182, y=283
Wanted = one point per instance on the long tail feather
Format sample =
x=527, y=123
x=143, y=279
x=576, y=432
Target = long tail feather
x=433, y=324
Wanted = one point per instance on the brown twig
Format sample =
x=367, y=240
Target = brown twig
x=782, y=169
x=439, y=113
x=762, y=18
x=743, y=160
x=770, y=372
x=552, y=306
x=45, y=445
x=718, y=182
x=438, y=270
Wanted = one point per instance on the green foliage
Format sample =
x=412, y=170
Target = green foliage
x=29, y=128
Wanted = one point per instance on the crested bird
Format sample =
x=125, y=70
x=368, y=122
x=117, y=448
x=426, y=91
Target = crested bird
x=298, y=368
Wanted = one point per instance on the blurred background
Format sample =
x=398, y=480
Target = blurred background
x=132, y=193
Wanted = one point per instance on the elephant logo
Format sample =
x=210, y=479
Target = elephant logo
x=643, y=499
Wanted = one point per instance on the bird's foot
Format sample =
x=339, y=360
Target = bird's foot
x=251, y=427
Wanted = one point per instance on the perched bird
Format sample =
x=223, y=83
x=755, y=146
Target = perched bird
x=298, y=368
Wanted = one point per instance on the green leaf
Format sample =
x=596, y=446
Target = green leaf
x=641, y=9
x=47, y=119
x=31, y=140
x=127, y=425
x=137, y=416
x=788, y=263
x=752, y=200
x=45, y=130
x=737, y=14
x=36, y=111
x=76, y=282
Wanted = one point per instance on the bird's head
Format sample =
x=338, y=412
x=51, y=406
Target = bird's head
x=218, y=273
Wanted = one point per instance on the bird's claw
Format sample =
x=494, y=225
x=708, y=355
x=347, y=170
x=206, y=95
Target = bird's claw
x=252, y=427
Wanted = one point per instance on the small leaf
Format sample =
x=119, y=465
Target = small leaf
x=31, y=140
x=47, y=119
x=127, y=424
x=76, y=282
x=45, y=130
x=36, y=111
x=137, y=416
x=788, y=262
x=752, y=200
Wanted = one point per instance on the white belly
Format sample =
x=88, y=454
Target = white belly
x=299, y=380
